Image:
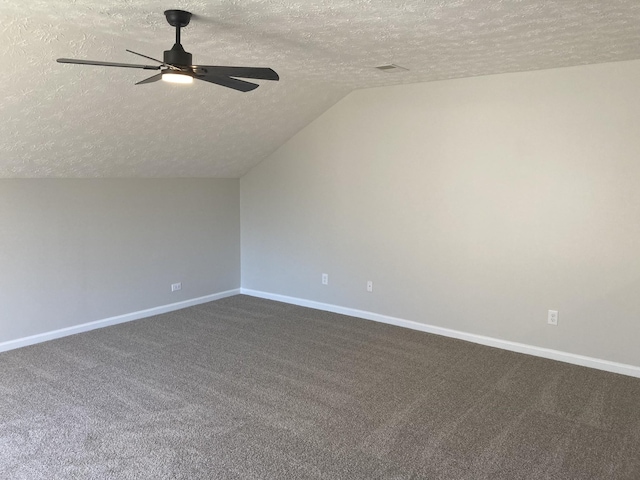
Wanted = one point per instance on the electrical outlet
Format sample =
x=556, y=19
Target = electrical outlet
x=176, y=286
x=369, y=286
x=552, y=317
x=325, y=279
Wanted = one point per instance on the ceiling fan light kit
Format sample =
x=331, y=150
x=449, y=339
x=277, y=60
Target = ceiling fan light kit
x=173, y=77
x=177, y=66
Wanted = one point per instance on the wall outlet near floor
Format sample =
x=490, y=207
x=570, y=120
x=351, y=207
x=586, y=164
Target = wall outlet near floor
x=552, y=317
x=176, y=286
x=369, y=286
x=325, y=279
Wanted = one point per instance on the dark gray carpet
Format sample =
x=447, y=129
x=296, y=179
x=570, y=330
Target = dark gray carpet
x=246, y=388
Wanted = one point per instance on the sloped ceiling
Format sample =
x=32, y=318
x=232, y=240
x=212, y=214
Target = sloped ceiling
x=82, y=121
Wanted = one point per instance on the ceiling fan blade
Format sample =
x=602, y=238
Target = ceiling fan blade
x=242, y=72
x=229, y=82
x=145, y=56
x=107, y=64
x=155, y=78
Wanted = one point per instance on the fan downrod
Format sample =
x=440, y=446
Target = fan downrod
x=178, y=18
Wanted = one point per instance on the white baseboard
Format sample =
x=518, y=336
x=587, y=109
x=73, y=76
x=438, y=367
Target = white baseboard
x=85, y=327
x=572, y=358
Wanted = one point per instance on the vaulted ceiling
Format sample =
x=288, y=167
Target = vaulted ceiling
x=83, y=121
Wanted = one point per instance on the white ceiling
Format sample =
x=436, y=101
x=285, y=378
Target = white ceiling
x=83, y=121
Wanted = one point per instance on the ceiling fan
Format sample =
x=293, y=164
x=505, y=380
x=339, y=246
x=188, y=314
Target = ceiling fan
x=177, y=66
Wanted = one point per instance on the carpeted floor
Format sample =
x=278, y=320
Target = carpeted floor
x=245, y=388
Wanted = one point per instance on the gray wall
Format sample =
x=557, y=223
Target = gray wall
x=75, y=251
x=474, y=204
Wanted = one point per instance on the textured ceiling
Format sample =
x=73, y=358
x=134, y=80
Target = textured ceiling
x=83, y=121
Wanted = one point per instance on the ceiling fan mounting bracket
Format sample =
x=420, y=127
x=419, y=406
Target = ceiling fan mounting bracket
x=177, y=18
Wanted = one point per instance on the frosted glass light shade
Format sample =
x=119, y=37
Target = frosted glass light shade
x=177, y=78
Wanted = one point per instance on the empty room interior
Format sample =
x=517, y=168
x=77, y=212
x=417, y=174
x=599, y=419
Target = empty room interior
x=356, y=240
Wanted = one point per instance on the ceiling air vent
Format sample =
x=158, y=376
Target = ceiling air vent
x=392, y=68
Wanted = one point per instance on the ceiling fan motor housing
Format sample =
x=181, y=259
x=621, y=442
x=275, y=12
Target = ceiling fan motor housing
x=178, y=56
